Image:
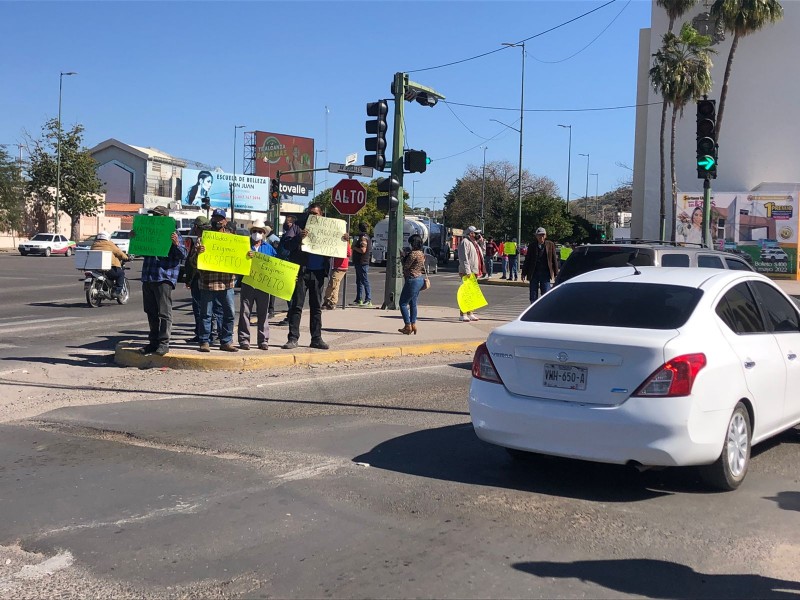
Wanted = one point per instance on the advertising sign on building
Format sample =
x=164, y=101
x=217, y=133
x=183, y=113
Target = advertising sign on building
x=252, y=192
x=760, y=227
x=278, y=152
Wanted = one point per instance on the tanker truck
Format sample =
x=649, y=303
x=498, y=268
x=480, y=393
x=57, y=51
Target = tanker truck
x=433, y=235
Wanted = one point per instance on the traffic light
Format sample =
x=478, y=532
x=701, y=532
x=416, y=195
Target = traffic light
x=389, y=186
x=416, y=161
x=707, y=139
x=377, y=128
x=274, y=190
x=205, y=203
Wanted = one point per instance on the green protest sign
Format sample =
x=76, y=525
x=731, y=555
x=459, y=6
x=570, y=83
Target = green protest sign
x=224, y=253
x=273, y=275
x=325, y=237
x=152, y=235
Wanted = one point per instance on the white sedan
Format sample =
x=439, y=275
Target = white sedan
x=47, y=244
x=650, y=367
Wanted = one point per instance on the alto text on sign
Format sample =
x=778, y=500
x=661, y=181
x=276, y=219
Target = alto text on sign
x=348, y=196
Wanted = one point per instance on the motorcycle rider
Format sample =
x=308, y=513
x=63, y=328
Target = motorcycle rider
x=117, y=273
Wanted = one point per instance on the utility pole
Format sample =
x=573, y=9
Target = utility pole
x=394, y=279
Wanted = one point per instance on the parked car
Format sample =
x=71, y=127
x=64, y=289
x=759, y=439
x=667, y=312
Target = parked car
x=598, y=256
x=47, y=244
x=645, y=366
x=86, y=244
x=122, y=238
x=741, y=253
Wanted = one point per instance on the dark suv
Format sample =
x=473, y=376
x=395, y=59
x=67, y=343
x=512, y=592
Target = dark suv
x=646, y=254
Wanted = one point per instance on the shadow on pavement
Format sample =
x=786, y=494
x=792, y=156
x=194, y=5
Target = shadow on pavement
x=663, y=579
x=61, y=304
x=455, y=453
x=786, y=500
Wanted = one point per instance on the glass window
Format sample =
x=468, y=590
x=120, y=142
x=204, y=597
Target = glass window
x=781, y=315
x=600, y=257
x=709, y=261
x=61, y=238
x=738, y=310
x=737, y=265
x=675, y=260
x=616, y=304
x=42, y=237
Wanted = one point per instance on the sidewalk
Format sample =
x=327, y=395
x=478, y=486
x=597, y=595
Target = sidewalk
x=353, y=334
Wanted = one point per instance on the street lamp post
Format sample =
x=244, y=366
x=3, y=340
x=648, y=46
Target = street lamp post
x=483, y=189
x=596, y=205
x=314, y=181
x=521, y=114
x=236, y=128
x=586, y=195
x=569, y=161
x=58, y=148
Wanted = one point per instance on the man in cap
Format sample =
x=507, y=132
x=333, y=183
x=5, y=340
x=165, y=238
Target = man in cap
x=159, y=277
x=470, y=262
x=249, y=295
x=116, y=274
x=190, y=278
x=541, y=265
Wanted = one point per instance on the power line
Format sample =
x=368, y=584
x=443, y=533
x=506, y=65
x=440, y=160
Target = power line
x=553, y=109
x=457, y=62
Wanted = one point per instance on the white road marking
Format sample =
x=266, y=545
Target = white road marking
x=37, y=324
x=60, y=561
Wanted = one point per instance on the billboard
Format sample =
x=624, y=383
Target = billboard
x=760, y=227
x=252, y=192
x=278, y=152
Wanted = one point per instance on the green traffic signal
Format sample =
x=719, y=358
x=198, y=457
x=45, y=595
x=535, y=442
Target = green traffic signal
x=707, y=162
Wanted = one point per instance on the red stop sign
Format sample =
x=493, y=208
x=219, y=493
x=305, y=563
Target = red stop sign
x=349, y=196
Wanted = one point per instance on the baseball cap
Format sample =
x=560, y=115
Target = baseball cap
x=473, y=229
x=201, y=220
x=540, y=231
x=103, y=235
x=161, y=211
x=219, y=212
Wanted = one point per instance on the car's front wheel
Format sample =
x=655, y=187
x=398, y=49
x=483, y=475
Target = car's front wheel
x=729, y=470
x=23, y=253
x=47, y=251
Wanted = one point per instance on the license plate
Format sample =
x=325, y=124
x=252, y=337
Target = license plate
x=565, y=376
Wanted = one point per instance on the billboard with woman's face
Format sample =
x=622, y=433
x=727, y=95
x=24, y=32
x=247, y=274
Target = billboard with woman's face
x=251, y=193
x=278, y=152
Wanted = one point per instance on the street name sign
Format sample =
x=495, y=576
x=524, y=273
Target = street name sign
x=359, y=170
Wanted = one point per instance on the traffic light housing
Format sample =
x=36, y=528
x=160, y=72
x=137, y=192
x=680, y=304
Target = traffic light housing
x=415, y=161
x=376, y=127
x=205, y=203
x=389, y=186
x=707, y=148
x=274, y=190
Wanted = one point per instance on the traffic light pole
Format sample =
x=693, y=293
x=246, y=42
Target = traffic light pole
x=394, y=271
x=707, y=212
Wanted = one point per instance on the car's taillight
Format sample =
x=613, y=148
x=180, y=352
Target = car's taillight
x=483, y=367
x=673, y=378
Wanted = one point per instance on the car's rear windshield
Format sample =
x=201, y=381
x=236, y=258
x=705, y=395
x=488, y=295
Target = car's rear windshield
x=616, y=304
x=601, y=257
x=42, y=237
x=121, y=235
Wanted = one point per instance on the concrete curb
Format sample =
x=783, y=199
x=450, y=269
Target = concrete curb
x=503, y=282
x=127, y=355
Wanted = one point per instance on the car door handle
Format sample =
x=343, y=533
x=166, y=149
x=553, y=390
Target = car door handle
x=749, y=364
x=791, y=356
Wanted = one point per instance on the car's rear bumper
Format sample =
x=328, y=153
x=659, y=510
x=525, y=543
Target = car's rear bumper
x=647, y=431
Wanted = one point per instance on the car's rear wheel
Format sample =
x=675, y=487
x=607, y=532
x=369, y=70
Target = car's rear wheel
x=729, y=470
x=47, y=251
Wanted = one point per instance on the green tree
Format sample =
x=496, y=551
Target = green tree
x=675, y=9
x=12, y=196
x=81, y=190
x=369, y=214
x=681, y=72
x=741, y=17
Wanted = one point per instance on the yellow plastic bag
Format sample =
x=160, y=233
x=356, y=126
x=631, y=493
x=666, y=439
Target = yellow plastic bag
x=469, y=296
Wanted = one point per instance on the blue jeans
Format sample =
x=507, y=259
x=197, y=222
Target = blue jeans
x=408, y=298
x=505, y=267
x=489, y=264
x=216, y=324
x=512, y=266
x=538, y=282
x=362, y=283
x=225, y=298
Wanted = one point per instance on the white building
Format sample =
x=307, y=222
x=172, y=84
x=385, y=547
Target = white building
x=760, y=136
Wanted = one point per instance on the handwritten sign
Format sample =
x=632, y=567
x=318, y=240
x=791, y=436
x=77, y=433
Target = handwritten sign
x=224, y=253
x=153, y=235
x=325, y=237
x=469, y=295
x=272, y=275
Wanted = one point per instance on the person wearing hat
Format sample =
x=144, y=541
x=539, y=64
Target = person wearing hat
x=541, y=265
x=249, y=295
x=512, y=252
x=159, y=278
x=470, y=262
x=116, y=274
x=201, y=223
x=338, y=271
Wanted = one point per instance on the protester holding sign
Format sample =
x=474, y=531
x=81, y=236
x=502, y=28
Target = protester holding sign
x=311, y=277
x=159, y=277
x=249, y=294
x=216, y=285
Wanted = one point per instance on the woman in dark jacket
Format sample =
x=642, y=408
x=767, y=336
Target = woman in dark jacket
x=414, y=278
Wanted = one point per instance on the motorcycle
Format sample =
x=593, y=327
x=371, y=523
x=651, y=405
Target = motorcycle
x=99, y=287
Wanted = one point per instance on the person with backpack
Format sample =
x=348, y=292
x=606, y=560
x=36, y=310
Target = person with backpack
x=362, y=251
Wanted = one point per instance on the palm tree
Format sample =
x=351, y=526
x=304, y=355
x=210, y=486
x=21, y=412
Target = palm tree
x=674, y=9
x=742, y=17
x=681, y=72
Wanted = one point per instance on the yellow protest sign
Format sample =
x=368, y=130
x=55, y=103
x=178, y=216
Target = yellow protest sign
x=272, y=275
x=325, y=237
x=224, y=253
x=469, y=295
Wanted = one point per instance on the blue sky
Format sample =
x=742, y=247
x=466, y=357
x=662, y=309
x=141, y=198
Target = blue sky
x=179, y=76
